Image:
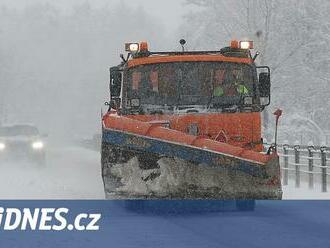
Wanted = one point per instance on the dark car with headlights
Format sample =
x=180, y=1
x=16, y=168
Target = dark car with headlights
x=22, y=142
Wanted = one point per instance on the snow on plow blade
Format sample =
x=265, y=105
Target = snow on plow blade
x=136, y=166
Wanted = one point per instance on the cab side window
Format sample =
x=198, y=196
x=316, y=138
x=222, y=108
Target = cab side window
x=167, y=82
x=154, y=80
x=136, y=80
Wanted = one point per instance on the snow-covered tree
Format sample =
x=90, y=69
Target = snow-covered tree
x=292, y=36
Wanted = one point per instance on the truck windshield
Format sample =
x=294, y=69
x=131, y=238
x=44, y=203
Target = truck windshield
x=189, y=83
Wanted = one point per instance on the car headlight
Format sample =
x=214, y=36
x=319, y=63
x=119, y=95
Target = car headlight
x=2, y=146
x=37, y=145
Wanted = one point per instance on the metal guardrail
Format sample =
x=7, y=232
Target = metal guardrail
x=301, y=163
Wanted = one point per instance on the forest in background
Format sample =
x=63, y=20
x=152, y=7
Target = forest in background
x=293, y=38
x=54, y=65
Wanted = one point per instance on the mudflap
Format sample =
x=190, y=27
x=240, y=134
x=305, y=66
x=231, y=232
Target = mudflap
x=138, y=168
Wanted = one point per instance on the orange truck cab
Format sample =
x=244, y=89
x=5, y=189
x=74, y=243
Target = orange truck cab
x=195, y=92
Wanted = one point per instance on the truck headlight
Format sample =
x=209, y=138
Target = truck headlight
x=264, y=100
x=246, y=44
x=37, y=145
x=132, y=47
x=2, y=146
x=135, y=102
x=248, y=100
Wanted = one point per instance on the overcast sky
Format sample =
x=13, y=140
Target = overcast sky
x=170, y=12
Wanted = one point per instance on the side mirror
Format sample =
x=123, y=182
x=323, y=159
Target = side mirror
x=115, y=81
x=113, y=104
x=264, y=84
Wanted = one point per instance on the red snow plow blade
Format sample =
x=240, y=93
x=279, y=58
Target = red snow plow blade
x=142, y=160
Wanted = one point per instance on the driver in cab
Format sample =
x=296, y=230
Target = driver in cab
x=233, y=86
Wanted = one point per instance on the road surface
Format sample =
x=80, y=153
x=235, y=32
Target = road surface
x=70, y=173
x=74, y=173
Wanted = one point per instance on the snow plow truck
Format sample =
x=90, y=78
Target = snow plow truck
x=187, y=125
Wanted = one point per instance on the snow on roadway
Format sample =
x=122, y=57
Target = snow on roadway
x=75, y=173
x=70, y=173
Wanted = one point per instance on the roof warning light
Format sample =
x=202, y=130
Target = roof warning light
x=241, y=44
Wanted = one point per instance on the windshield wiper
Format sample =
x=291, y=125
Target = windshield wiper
x=178, y=88
x=212, y=91
x=210, y=101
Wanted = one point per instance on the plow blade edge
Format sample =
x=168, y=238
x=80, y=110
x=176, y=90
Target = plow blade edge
x=142, y=167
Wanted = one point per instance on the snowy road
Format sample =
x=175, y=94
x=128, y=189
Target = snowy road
x=74, y=173
x=71, y=173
